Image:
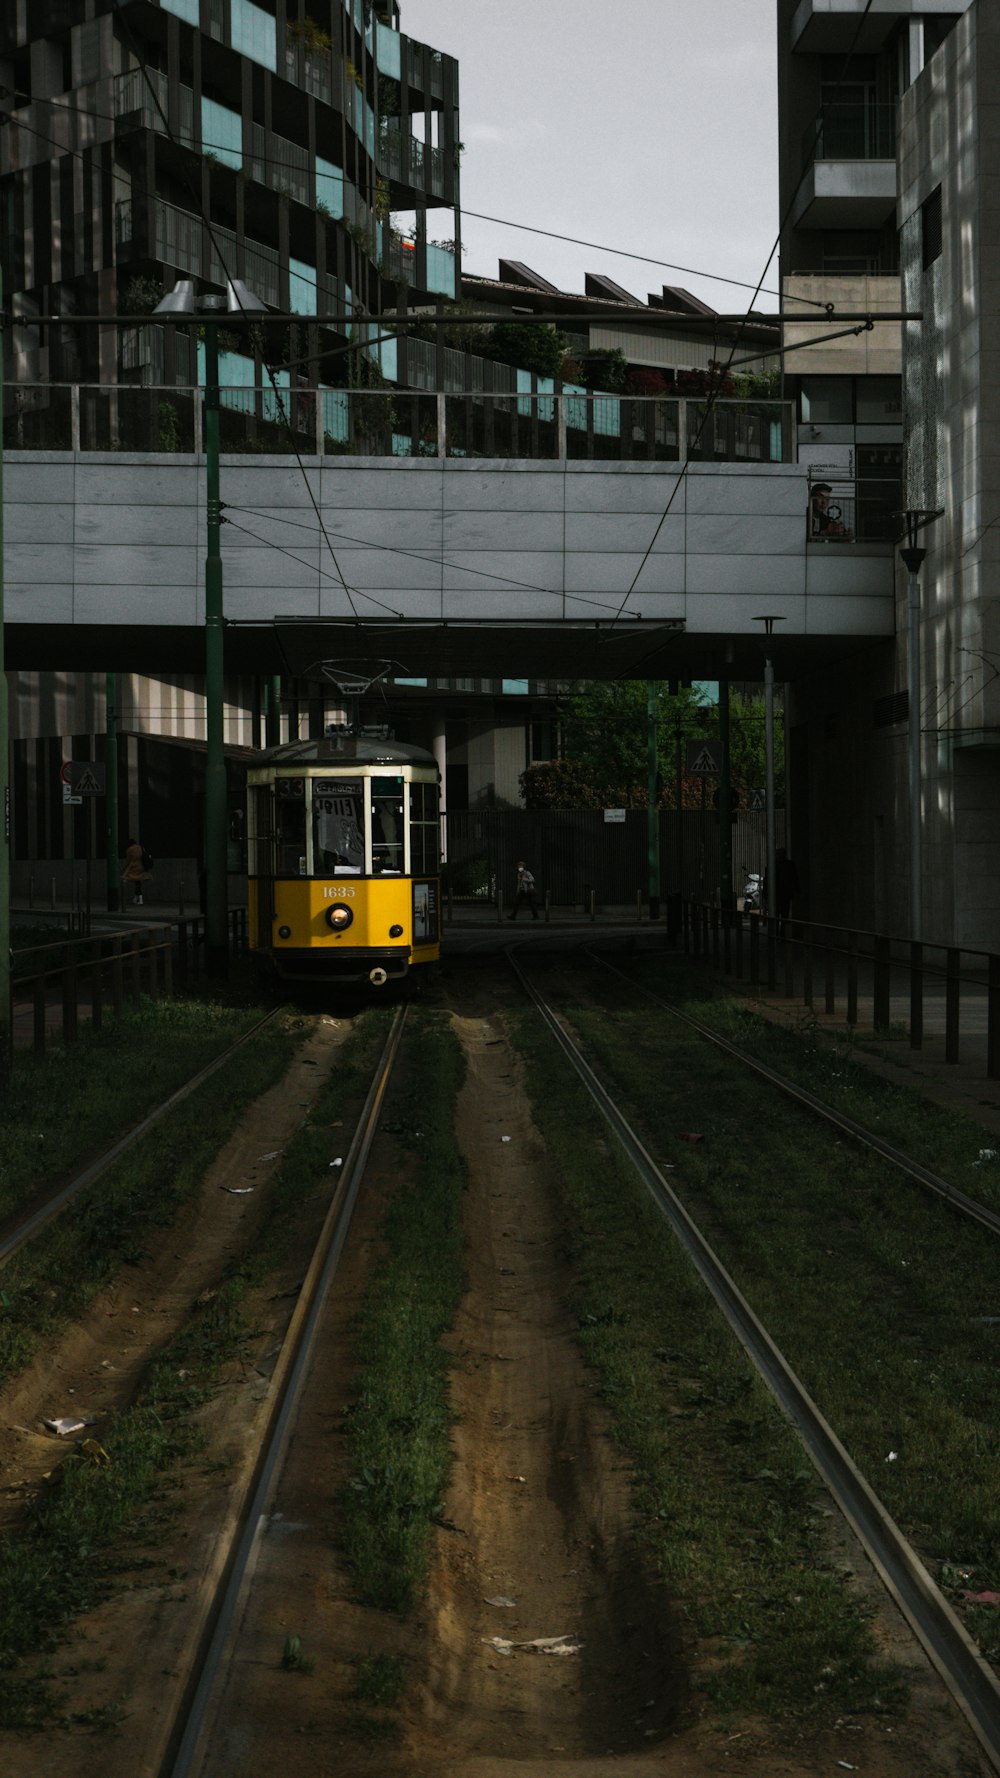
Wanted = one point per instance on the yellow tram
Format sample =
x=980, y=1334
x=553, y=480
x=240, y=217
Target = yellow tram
x=343, y=862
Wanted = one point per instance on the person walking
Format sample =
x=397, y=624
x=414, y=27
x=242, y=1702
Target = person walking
x=138, y=870
x=525, y=890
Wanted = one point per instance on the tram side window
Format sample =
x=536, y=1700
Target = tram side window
x=338, y=827
x=260, y=859
x=388, y=826
x=290, y=828
x=425, y=831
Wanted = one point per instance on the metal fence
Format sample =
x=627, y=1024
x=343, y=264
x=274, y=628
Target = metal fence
x=922, y=987
x=579, y=858
x=389, y=422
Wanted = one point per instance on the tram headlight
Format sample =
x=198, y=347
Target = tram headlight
x=339, y=917
x=284, y=932
x=395, y=932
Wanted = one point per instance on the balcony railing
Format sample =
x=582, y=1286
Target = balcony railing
x=853, y=510
x=849, y=131
x=393, y=422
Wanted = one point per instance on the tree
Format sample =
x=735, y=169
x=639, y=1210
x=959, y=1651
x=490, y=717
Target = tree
x=527, y=346
x=604, y=762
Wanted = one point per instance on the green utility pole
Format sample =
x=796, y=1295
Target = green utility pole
x=725, y=806
x=216, y=883
x=111, y=788
x=5, y=1004
x=652, y=811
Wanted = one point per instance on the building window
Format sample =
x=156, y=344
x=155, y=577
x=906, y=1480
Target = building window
x=254, y=33
x=185, y=9
x=301, y=287
x=930, y=226
x=329, y=187
x=828, y=401
x=222, y=133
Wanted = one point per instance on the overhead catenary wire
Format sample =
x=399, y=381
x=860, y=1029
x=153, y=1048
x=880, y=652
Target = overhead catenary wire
x=713, y=395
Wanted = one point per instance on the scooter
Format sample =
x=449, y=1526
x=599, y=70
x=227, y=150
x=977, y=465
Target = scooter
x=753, y=893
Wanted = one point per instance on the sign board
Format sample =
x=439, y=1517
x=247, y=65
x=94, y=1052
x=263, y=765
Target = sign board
x=83, y=777
x=705, y=758
x=756, y=799
x=69, y=800
x=614, y=814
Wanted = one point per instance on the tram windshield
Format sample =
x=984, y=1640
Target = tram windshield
x=338, y=820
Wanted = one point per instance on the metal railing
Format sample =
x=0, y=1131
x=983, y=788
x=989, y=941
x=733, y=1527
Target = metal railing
x=900, y=980
x=851, y=130
x=392, y=422
x=852, y=509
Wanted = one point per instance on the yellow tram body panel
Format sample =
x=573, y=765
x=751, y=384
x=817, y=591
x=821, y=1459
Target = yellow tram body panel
x=344, y=845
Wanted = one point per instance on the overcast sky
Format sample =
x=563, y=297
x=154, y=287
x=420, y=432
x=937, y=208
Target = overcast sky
x=650, y=127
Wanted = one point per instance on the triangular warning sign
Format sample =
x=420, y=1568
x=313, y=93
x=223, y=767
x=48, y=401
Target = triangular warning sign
x=87, y=785
x=704, y=762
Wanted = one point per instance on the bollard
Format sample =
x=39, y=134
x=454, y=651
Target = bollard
x=916, y=995
x=69, y=1017
x=952, y=990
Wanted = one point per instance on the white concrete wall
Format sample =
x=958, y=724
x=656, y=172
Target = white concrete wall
x=120, y=539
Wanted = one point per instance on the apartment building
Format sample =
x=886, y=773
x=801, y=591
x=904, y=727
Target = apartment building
x=850, y=80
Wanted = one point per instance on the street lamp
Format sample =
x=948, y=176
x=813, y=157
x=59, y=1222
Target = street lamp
x=183, y=301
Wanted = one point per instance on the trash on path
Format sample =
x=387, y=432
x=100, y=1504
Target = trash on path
x=505, y=1138
x=67, y=1424
x=980, y=1598
x=238, y=1191
x=986, y=1154
x=892, y=1456
x=272, y=1156
x=690, y=1136
x=539, y=1645
x=846, y=1766
x=339, y=1162
x=502, y=1599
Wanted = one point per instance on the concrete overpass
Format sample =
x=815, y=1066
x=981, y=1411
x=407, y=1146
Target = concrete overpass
x=446, y=565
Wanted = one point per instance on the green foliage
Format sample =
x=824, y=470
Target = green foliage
x=141, y=295
x=605, y=369
x=760, y=385
x=170, y=437
x=527, y=346
x=605, y=747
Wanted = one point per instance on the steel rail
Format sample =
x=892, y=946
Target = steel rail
x=192, y=1724
x=964, y=1670
x=23, y=1231
x=958, y=1199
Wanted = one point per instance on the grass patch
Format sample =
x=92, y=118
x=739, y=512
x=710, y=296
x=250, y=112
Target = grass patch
x=397, y=1425
x=92, y=1525
x=60, y=1108
x=877, y=1293
x=726, y=1503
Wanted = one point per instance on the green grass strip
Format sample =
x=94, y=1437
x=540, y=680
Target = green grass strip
x=882, y=1299
x=57, y=1109
x=726, y=1504
x=88, y=1532
x=397, y=1426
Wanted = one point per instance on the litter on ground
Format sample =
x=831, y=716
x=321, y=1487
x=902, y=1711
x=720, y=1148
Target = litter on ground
x=502, y=1599
x=238, y=1191
x=66, y=1425
x=539, y=1645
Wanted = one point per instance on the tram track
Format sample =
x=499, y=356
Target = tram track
x=185, y=1744
x=820, y=1108
x=967, y=1674
x=22, y=1230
